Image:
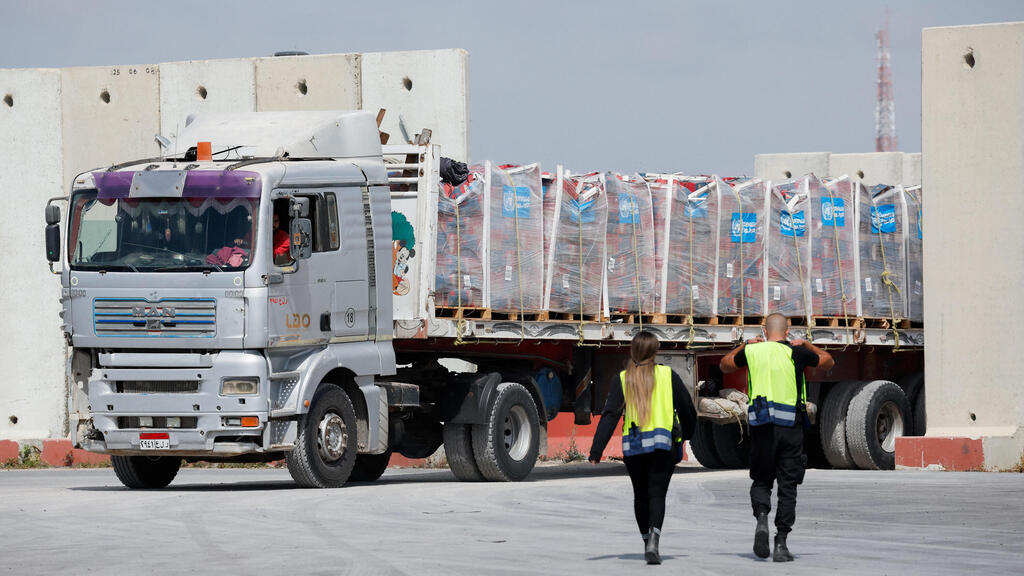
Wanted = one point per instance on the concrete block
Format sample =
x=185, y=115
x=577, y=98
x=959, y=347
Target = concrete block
x=972, y=89
x=785, y=166
x=61, y=453
x=946, y=453
x=32, y=357
x=425, y=89
x=912, y=169
x=323, y=82
x=9, y=450
x=111, y=114
x=204, y=86
x=870, y=168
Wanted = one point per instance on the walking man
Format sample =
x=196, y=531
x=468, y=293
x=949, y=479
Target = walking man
x=777, y=416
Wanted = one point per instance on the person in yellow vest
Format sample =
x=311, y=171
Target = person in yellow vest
x=659, y=416
x=777, y=417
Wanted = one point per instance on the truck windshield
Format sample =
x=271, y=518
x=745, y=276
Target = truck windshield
x=161, y=234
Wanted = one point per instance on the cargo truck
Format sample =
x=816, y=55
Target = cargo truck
x=265, y=291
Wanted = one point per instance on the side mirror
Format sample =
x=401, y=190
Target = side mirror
x=52, y=241
x=52, y=214
x=300, y=239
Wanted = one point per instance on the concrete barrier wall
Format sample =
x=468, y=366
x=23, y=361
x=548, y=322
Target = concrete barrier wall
x=329, y=82
x=32, y=356
x=785, y=166
x=428, y=89
x=972, y=119
x=869, y=168
x=912, y=169
x=204, y=86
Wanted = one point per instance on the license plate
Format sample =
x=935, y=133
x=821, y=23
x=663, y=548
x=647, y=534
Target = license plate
x=154, y=441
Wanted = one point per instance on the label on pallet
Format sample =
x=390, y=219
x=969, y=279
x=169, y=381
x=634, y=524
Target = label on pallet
x=833, y=212
x=776, y=292
x=819, y=286
x=565, y=281
x=515, y=202
x=629, y=209
x=728, y=269
x=611, y=264
x=508, y=273
x=792, y=224
x=695, y=291
x=467, y=281
x=883, y=217
x=867, y=284
x=744, y=227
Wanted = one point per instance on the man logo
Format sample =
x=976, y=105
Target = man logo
x=737, y=226
x=826, y=211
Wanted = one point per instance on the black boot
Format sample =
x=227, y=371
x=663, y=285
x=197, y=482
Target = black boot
x=781, y=553
x=761, y=536
x=651, y=550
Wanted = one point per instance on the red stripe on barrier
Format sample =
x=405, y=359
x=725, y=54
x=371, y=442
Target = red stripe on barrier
x=949, y=453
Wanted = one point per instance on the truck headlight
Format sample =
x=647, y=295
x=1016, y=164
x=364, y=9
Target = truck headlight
x=239, y=386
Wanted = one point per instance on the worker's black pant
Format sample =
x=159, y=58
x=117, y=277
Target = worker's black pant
x=776, y=453
x=650, y=474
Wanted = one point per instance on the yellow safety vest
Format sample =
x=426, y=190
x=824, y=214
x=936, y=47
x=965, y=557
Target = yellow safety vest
x=771, y=384
x=657, y=433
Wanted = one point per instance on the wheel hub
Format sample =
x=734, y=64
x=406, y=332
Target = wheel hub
x=332, y=437
x=888, y=426
x=516, y=433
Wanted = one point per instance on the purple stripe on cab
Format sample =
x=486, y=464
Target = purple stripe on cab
x=198, y=184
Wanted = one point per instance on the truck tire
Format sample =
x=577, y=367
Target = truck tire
x=369, y=467
x=732, y=445
x=703, y=445
x=832, y=424
x=506, y=446
x=145, y=471
x=458, y=450
x=920, y=417
x=878, y=414
x=325, y=450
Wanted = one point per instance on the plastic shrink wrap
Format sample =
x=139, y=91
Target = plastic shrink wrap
x=741, y=225
x=548, y=184
x=881, y=265
x=577, y=250
x=833, y=248
x=515, y=268
x=691, y=267
x=630, y=245
x=789, y=247
x=915, y=269
x=459, y=270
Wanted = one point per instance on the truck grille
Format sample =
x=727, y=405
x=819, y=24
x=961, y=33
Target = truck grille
x=130, y=422
x=158, y=387
x=175, y=317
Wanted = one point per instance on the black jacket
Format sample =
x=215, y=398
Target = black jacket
x=616, y=403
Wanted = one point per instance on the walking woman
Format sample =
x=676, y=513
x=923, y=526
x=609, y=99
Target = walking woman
x=659, y=416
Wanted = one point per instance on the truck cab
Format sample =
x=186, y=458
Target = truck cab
x=233, y=299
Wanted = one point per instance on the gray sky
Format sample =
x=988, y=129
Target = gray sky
x=699, y=86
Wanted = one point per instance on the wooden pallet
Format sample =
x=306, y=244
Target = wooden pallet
x=553, y=316
x=466, y=312
x=741, y=320
x=836, y=322
x=515, y=315
x=886, y=323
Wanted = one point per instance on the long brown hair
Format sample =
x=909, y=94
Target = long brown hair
x=640, y=375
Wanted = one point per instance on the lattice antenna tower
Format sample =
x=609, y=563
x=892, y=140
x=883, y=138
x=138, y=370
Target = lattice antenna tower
x=885, y=106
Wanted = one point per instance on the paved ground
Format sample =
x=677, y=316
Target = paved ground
x=572, y=519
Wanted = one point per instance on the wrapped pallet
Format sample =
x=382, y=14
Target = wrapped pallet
x=459, y=271
x=915, y=268
x=691, y=267
x=630, y=246
x=741, y=224
x=661, y=194
x=833, y=248
x=549, y=202
x=788, y=248
x=576, y=255
x=515, y=260
x=881, y=262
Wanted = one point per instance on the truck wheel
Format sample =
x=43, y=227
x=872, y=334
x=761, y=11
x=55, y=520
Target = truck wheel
x=145, y=471
x=506, y=446
x=920, y=417
x=878, y=414
x=458, y=450
x=703, y=445
x=369, y=467
x=325, y=450
x=832, y=423
x=732, y=445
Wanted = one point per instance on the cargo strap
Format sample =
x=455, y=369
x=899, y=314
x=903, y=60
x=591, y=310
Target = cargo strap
x=839, y=264
x=886, y=278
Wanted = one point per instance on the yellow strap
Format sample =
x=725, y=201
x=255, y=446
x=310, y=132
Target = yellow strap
x=886, y=276
x=460, y=322
x=633, y=217
x=800, y=269
x=839, y=262
x=519, y=260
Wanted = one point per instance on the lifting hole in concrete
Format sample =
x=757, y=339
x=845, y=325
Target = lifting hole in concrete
x=9, y=100
x=301, y=87
x=201, y=92
x=860, y=174
x=969, y=58
x=787, y=174
x=407, y=83
x=105, y=96
x=13, y=419
x=974, y=417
